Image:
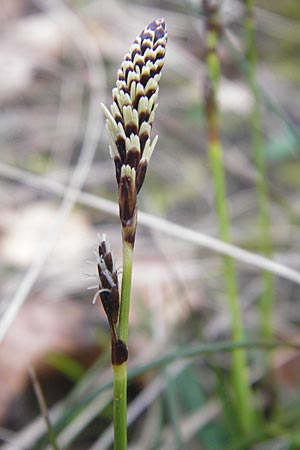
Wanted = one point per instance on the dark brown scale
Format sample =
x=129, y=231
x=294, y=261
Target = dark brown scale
x=102, y=249
x=154, y=25
x=118, y=166
x=136, y=78
x=133, y=157
x=159, y=43
x=144, y=79
x=104, y=281
x=127, y=200
x=120, y=143
x=115, y=277
x=145, y=45
x=140, y=64
x=140, y=174
x=118, y=118
x=146, y=35
x=150, y=92
x=119, y=352
x=108, y=261
x=131, y=128
x=136, y=100
x=134, y=52
x=143, y=117
x=105, y=298
x=143, y=139
x=125, y=89
x=160, y=54
x=154, y=71
x=149, y=57
x=159, y=34
x=127, y=70
x=115, y=303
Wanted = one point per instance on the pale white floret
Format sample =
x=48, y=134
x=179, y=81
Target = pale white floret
x=152, y=115
x=109, y=117
x=132, y=76
x=121, y=84
x=143, y=104
x=151, y=84
x=133, y=142
x=145, y=128
x=151, y=53
x=123, y=99
x=127, y=171
x=112, y=144
x=133, y=89
x=153, y=99
x=121, y=131
x=140, y=89
x=149, y=147
x=115, y=110
x=130, y=115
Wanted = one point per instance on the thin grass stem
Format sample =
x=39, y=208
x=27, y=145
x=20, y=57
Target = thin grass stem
x=120, y=371
x=240, y=377
x=43, y=408
x=120, y=406
x=125, y=291
x=267, y=298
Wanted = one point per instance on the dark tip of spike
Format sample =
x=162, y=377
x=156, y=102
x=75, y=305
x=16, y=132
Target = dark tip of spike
x=159, y=33
x=157, y=23
x=146, y=35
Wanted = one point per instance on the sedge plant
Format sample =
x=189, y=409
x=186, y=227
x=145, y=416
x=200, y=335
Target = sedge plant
x=128, y=124
x=240, y=379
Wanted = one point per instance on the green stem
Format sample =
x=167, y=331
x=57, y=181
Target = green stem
x=120, y=371
x=120, y=406
x=240, y=377
x=125, y=293
x=239, y=361
x=267, y=299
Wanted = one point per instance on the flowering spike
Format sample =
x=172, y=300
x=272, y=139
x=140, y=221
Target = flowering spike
x=132, y=113
x=108, y=281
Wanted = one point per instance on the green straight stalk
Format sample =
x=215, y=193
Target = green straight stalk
x=267, y=299
x=239, y=361
x=126, y=289
x=120, y=406
x=120, y=371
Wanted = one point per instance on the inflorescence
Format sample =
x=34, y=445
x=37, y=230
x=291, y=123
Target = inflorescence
x=131, y=117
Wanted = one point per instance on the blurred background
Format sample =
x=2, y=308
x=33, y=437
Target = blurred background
x=58, y=62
